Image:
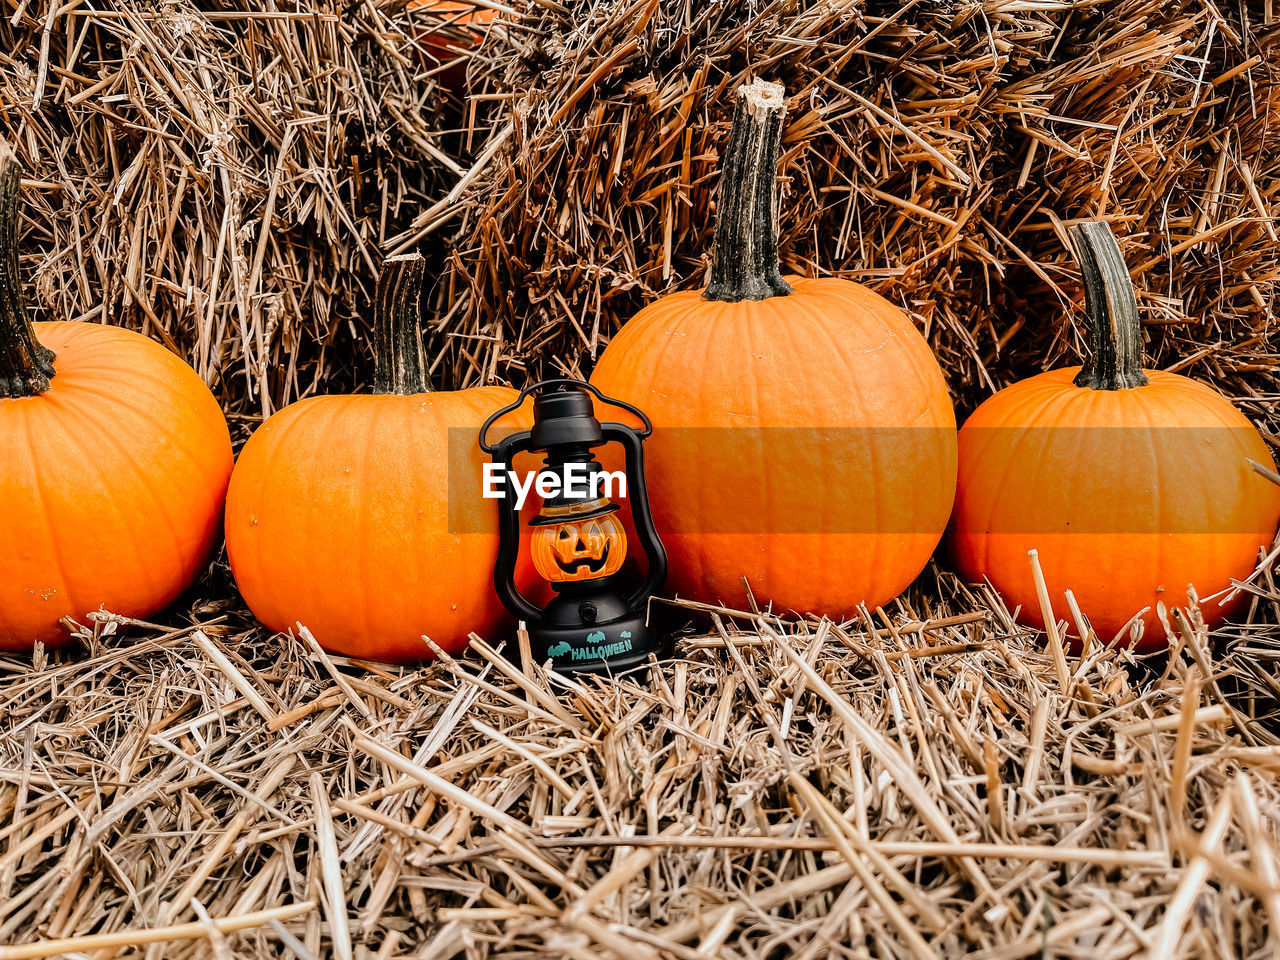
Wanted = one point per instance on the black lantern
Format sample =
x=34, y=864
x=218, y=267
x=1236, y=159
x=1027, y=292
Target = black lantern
x=597, y=621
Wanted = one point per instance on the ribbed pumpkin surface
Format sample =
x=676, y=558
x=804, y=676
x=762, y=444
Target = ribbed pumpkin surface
x=111, y=483
x=338, y=517
x=805, y=442
x=1127, y=495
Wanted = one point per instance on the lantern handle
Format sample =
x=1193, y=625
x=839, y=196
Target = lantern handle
x=528, y=389
x=638, y=494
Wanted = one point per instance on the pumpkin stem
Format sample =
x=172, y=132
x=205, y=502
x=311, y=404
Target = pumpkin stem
x=399, y=364
x=745, y=258
x=1115, y=338
x=25, y=364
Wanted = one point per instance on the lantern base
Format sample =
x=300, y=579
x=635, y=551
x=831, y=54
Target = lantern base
x=576, y=644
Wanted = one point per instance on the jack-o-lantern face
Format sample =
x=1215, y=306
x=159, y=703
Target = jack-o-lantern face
x=581, y=550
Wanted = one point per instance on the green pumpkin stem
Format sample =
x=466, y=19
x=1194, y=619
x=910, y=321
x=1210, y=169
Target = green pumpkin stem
x=1115, y=338
x=400, y=367
x=25, y=364
x=744, y=263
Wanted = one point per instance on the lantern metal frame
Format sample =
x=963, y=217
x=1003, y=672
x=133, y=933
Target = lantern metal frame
x=591, y=615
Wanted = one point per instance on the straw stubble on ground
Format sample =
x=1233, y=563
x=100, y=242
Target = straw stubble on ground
x=918, y=782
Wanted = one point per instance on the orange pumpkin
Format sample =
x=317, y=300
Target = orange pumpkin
x=1131, y=484
x=579, y=550
x=361, y=517
x=453, y=29
x=804, y=436
x=114, y=459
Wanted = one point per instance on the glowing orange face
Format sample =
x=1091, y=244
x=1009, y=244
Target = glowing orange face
x=582, y=550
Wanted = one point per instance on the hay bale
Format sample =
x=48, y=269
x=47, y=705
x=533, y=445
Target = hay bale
x=221, y=180
x=933, y=152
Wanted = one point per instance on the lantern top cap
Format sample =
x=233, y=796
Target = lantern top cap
x=564, y=415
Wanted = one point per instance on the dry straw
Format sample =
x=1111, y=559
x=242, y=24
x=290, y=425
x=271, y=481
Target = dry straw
x=925, y=780
x=935, y=152
x=915, y=782
x=228, y=181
